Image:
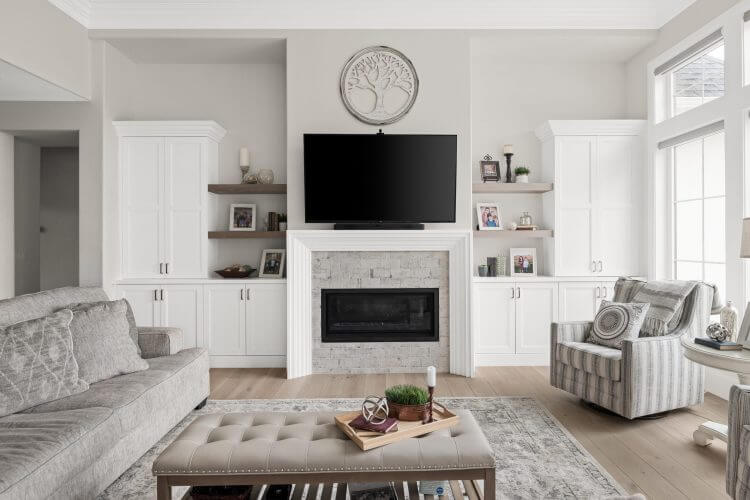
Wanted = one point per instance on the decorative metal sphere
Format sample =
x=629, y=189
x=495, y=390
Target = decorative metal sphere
x=375, y=409
x=718, y=332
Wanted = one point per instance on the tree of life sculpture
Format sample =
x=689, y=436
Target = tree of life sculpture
x=379, y=85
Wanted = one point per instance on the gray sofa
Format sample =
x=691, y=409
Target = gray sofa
x=76, y=446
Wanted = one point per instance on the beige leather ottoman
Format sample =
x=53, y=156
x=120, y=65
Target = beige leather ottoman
x=308, y=448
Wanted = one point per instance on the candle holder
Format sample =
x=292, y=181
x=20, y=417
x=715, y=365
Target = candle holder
x=508, y=156
x=430, y=390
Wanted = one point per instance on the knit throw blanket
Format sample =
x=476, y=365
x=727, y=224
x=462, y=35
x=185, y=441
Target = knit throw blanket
x=666, y=298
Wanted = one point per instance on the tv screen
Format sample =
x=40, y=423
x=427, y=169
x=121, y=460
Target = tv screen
x=353, y=178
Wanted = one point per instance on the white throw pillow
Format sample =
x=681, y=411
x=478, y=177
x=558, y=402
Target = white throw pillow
x=617, y=321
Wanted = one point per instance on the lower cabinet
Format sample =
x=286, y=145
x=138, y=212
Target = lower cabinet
x=579, y=300
x=512, y=321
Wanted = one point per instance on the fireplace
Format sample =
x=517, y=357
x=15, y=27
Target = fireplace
x=379, y=315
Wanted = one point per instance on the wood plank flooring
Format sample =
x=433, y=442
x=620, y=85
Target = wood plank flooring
x=655, y=457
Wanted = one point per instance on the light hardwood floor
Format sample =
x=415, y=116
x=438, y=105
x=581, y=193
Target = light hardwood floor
x=653, y=457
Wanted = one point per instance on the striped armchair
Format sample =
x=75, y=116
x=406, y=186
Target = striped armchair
x=649, y=375
x=738, y=443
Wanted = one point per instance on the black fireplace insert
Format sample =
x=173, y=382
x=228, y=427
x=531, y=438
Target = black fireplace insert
x=379, y=315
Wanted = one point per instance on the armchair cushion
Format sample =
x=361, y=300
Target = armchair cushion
x=159, y=341
x=598, y=360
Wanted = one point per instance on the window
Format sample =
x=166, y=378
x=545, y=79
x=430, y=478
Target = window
x=693, y=77
x=698, y=199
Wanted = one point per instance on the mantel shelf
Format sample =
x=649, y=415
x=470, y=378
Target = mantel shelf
x=512, y=187
x=247, y=188
x=245, y=234
x=539, y=233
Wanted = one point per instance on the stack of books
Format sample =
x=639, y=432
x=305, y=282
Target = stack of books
x=717, y=344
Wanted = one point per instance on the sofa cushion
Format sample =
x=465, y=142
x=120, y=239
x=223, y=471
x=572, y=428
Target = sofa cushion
x=129, y=315
x=102, y=343
x=37, y=363
x=595, y=359
x=38, y=305
x=63, y=443
x=122, y=393
x=617, y=321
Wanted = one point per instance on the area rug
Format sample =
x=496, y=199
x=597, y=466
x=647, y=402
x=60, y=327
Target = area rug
x=535, y=456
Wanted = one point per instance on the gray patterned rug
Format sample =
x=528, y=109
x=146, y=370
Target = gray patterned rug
x=536, y=457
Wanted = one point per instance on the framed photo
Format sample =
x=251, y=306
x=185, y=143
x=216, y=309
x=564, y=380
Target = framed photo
x=523, y=262
x=242, y=217
x=488, y=216
x=489, y=170
x=272, y=263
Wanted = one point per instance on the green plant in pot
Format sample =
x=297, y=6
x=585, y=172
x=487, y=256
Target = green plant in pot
x=522, y=174
x=408, y=402
x=282, y=222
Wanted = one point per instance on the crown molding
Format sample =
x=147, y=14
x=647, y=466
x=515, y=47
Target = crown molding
x=551, y=128
x=385, y=14
x=78, y=10
x=190, y=128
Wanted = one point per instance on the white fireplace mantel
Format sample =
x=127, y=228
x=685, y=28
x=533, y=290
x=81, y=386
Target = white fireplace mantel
x=301, y=244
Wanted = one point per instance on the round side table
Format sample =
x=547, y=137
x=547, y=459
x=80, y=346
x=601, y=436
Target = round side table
x=733, y=361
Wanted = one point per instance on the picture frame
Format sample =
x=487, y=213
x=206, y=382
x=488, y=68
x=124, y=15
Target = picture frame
x=489, y=170
x=488, y=216
x=243, y=216
x=523, y=262
x=272, y=263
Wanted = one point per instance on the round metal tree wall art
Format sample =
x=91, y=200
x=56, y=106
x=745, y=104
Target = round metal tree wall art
x=379, y=85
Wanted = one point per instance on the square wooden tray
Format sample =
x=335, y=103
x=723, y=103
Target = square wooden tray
x=368, y=440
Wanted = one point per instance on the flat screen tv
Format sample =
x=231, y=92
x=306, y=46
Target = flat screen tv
x=380, y=178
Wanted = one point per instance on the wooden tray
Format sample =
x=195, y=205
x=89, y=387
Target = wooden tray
x=368, y=440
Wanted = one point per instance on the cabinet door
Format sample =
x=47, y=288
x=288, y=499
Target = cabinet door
x=605, y=290
x=142, y=179
x=578, y=300
x=616, y=210
x=144, y=300
x=575, y=186
x=182, y=307
x=225, y=319
x=266, y=319
x=536, y=309
x=495, y=317
x=184, y=199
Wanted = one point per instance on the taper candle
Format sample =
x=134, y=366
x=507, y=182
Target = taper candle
x=431, y=376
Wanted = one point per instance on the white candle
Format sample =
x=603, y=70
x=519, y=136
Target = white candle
x=431, y=376
x=508, y=149
x=244, y=157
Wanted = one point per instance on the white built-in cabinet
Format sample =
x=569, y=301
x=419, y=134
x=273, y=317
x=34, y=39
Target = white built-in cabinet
x=579, y=300
x=597, y=205
x=512, y=321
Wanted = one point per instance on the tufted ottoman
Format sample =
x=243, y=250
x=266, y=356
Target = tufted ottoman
x=308, y=448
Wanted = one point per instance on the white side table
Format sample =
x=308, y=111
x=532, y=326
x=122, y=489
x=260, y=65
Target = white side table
x=733, y=361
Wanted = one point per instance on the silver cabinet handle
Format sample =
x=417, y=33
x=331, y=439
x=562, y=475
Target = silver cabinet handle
x=513, y=293
x=242, y=294
x=161, y=295
x=600, y=266
x=161, y=268
x=519, y=292
x=166, y=267
x=593, y=266
x=156, y=297
x=598, y=292
x=605, y=292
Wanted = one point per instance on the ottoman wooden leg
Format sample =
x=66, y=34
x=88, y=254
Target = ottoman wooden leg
x=163, y=489
x=489, y=484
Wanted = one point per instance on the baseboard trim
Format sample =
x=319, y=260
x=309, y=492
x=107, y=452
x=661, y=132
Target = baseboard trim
x=484, y=359
x=248, y=361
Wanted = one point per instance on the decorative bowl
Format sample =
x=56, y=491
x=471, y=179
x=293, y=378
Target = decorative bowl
x=235, y=273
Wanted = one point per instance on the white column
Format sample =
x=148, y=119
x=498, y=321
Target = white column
x=7, y=240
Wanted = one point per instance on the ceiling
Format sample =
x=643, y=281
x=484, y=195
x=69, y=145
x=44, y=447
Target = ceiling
x=369, y=14
x=19, y=85
x=202, y=50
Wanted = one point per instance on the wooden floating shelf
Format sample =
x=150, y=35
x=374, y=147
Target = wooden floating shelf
x=245, y=234
x=513, y=187
x=247, y=188
x=539, y=233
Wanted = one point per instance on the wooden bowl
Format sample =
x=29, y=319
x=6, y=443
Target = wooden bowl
x=409, y=413
x=235, y=274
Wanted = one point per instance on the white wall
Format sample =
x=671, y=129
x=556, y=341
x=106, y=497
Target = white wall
x=7, y=242
x=314, y=62
x=42, y=40
x=58, y=215
x=27, y=161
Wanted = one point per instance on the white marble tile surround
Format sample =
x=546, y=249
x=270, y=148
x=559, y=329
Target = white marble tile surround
x=380, y=270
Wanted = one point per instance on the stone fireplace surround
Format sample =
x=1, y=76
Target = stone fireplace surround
x=303, y=244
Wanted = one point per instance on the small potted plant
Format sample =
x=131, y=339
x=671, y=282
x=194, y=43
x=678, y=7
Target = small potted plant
x=522, y=174
x=408, y=402
x=282, y=222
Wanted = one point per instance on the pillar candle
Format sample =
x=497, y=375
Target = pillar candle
x=508, y=149
x=244, y=157
x=431, y=376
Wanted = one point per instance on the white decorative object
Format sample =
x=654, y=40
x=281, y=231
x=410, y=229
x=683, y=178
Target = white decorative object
x=522, y=179
x=265, y=176
x=728, y=318
x=513, y=226
x=379, y=85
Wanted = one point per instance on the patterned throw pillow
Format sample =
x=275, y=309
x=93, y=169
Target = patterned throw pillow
x=102, y=343
x=37, y=364
x=617, y=321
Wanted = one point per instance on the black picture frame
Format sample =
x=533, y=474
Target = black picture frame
x=489, y=170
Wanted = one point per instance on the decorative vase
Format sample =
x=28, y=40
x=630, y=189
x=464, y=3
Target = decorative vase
x=525, y=219
x=502, y=265
x=265, y=176
x=728, y=318
x=409, y=413
x=247, y=177
x=483, y=271
x=522, y=179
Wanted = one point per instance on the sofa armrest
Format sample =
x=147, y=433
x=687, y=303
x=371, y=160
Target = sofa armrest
x=571, y=331
x=739, y=416
x=159, y=341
